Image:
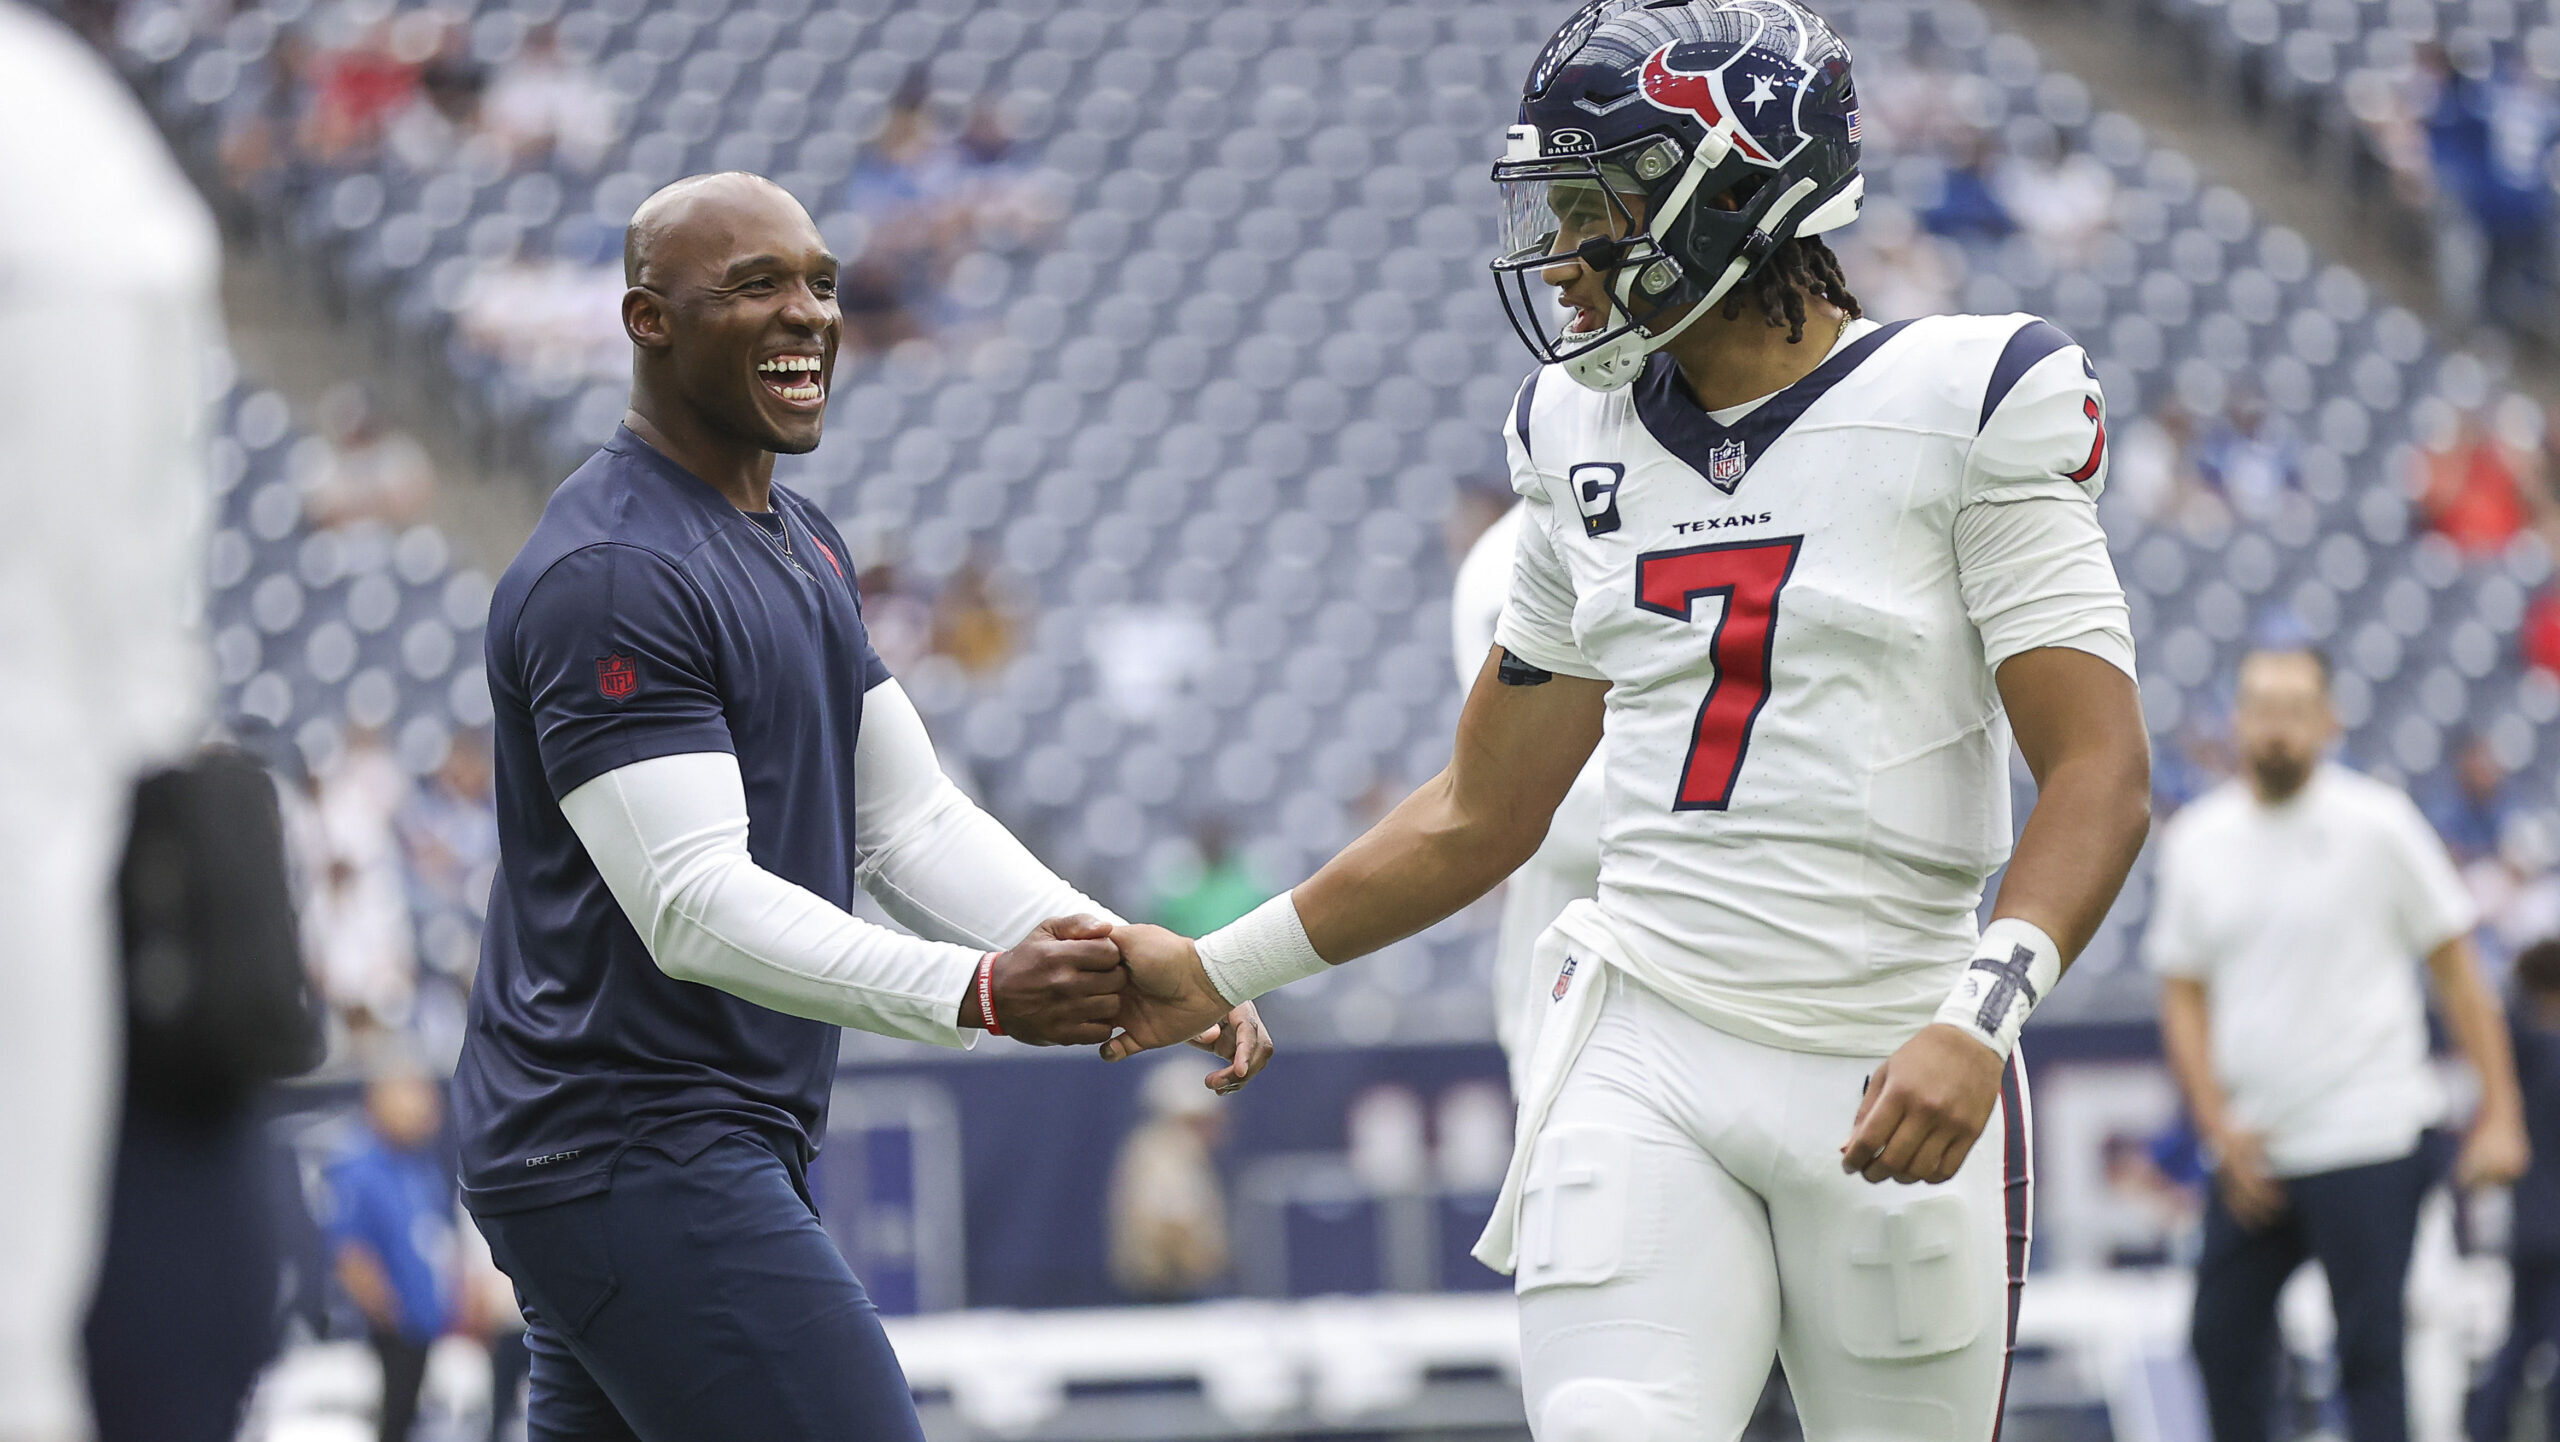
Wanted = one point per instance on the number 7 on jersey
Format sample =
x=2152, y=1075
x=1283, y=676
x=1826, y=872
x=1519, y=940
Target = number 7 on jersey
x=1748, y=575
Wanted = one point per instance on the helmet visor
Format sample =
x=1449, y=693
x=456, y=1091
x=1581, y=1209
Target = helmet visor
x=1566, y=213
x=1553, y=215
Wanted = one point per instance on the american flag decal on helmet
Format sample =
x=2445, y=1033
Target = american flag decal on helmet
x=1853, y=125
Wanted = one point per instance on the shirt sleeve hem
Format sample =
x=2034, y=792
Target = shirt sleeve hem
x=2107, y=643
x=628, y=746
x=1543, y=656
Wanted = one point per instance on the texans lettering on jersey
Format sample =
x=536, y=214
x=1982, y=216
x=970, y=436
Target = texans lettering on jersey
x=1800, y=606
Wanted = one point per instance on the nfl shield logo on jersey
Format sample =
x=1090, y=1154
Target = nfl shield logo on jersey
x=1725, y=463
x=1564, y=979
x=616, y=676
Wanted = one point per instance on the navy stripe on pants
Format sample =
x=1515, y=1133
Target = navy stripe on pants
x=2361, y=1223
x=2017, y=1195
x=698, y=1301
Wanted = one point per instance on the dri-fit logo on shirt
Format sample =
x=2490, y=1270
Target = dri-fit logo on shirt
x=616, y=676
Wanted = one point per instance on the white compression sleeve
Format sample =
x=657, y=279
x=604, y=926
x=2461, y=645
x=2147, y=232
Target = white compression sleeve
x=669, y=837
x=934, y=861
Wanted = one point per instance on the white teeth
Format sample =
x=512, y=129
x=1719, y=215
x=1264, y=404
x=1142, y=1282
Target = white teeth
x=790, y=363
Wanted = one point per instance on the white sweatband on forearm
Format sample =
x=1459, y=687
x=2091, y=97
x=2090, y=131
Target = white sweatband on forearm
x=1264, y=949
x=2013, y=968
x=669, y=837
x=934, y=861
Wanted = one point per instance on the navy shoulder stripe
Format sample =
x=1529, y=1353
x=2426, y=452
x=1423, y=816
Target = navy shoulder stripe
x=2033, y=342
x=1520, y=408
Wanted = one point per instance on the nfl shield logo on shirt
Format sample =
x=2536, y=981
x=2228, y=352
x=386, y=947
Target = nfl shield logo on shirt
x=1564, y=979
x=616, y=676
x=1725, y=464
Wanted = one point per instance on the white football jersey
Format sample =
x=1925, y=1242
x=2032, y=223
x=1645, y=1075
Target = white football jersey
x=1799, y=605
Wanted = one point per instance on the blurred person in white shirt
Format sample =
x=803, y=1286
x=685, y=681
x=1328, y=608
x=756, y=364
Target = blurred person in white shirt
x=1566, y=866
x=2292, y=909
x=104, y=252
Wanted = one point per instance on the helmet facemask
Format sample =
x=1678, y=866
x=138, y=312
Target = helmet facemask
x=1637, y=217
x=1590, y=209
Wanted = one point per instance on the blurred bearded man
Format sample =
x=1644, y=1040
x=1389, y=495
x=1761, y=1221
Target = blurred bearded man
x=2293, y=905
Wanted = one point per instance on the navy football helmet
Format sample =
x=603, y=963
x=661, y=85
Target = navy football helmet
x=1641, y=121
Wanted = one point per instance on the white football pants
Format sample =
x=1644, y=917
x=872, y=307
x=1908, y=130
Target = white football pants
x=1685, y=1219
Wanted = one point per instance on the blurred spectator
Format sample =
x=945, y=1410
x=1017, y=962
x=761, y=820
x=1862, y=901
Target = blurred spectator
x=2471, y=805
x=2516, y=886
x=2539, y=637
x=1167, y=1208
x=2066, y=201
x=448, y=835
x=2152, y=478
x=557, y=318
x=1222, y=891
x=543, y=105
x=2489, y=133
x=971, y=625
x=2249, y=456
x=2471, y=482
x=900, y=621
x=921, y=200
x=356, y=924
x=2533, y=1239
x=1968, y=207
x=426, y=134
x=1902, y=270
x=373, y=473
x=390, y=1223
x=358, y=88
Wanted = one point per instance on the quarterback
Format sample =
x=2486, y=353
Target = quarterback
x=1802, y=578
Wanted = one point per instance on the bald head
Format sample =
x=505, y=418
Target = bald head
x=732, y=316
x=695, y=214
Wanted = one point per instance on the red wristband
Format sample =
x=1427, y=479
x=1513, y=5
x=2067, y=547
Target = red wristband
x=987, y=994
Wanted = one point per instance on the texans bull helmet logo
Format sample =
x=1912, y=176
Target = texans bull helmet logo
x=1733, y=99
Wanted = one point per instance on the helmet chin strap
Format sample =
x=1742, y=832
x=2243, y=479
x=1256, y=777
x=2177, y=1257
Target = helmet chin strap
x=1614, y=364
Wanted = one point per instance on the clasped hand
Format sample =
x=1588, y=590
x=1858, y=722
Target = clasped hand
x=1076, y=980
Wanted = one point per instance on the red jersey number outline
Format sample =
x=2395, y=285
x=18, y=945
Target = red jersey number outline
x=2098, y=447
x=1748, y=575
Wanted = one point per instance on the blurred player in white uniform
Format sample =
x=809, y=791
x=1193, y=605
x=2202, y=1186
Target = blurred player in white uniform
x=1806, y=574
x=1566, y=866
x=102, y=663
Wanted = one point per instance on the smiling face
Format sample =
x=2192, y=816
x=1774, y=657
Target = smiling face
x=733, y=296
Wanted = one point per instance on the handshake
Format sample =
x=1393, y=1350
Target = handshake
x=1079, y=981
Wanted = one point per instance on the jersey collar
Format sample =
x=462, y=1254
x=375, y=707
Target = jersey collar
x=1721, y=453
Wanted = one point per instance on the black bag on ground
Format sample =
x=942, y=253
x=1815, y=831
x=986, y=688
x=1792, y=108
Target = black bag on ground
x=216, y=1000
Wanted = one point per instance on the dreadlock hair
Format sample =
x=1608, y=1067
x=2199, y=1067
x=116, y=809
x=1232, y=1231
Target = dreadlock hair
x=1800, y=266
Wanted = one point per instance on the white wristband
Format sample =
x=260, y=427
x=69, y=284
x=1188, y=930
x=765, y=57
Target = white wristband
x=2014, y=967
x=1264, y=949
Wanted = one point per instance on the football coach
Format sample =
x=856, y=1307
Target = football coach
x=699, y=758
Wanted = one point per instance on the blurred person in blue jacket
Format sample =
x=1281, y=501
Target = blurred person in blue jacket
x=391, y=1232
x=2489, y=135
x=2533, y=1244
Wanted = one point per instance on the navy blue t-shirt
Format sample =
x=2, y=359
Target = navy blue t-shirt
x=649, y=617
